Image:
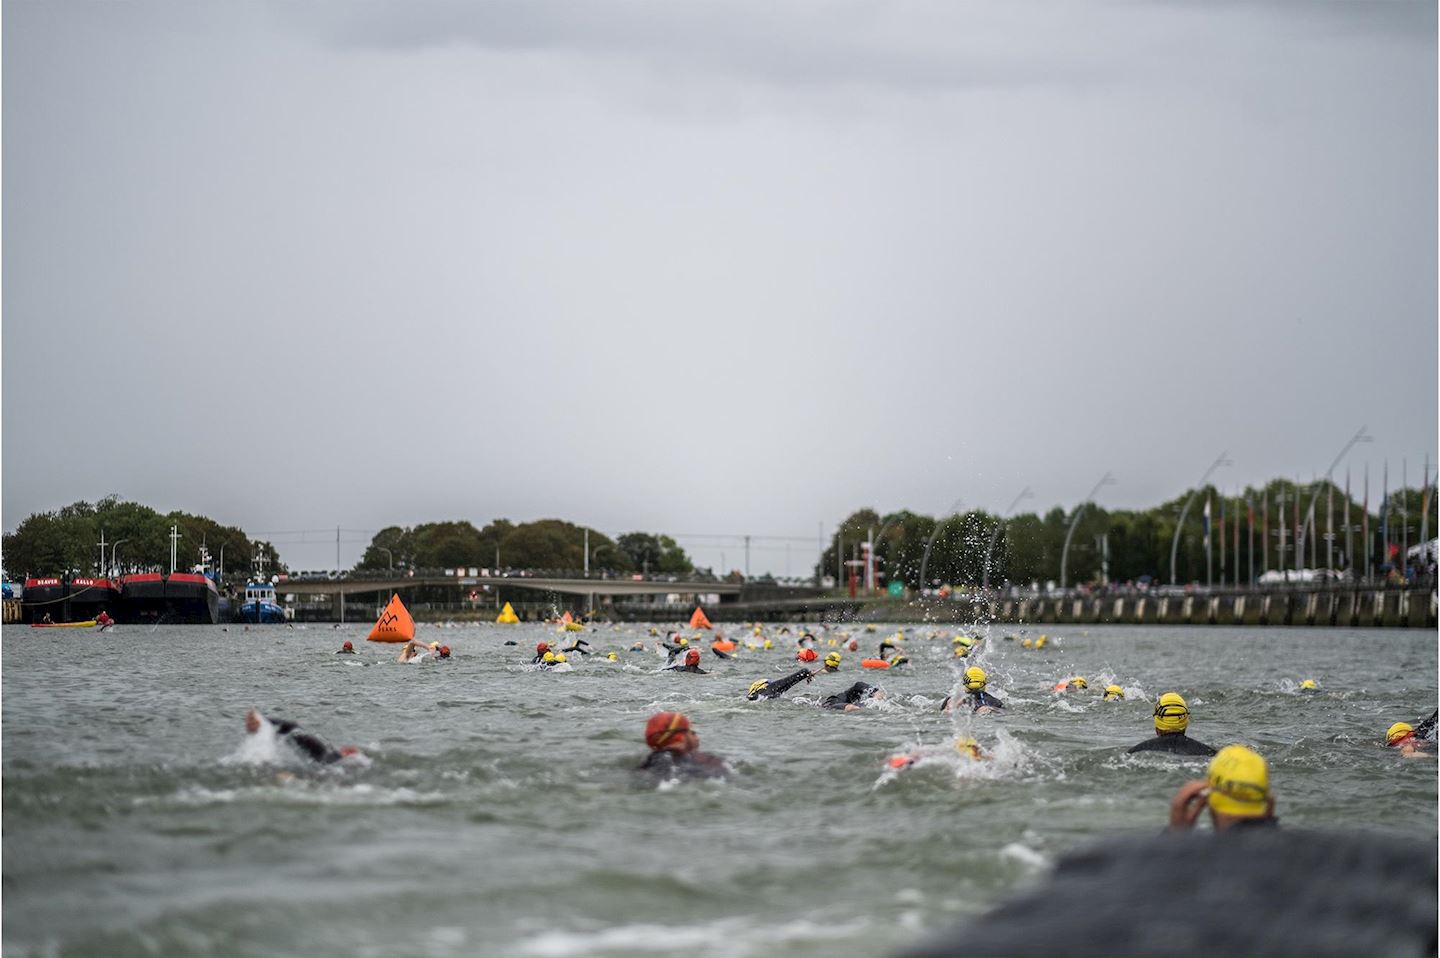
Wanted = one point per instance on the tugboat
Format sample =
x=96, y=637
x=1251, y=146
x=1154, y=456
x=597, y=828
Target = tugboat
x=260, y=606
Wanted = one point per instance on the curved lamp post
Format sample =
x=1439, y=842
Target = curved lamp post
x=1359, y=437
x=1105, y=480
x=113, y=546
x=874, y=538
x=1180, y=524
x=1026, y=493
x=953, y=511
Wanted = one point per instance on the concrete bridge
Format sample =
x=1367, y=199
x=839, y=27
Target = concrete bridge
x=597, y=584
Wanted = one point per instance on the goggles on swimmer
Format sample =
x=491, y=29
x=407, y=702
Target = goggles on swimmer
x=1171, y=711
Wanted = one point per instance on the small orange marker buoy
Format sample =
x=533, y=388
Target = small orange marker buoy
x=394, y=624
x=874, y=664
x=698, y=620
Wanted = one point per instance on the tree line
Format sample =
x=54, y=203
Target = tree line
x=137, y=539
x=1130, y=545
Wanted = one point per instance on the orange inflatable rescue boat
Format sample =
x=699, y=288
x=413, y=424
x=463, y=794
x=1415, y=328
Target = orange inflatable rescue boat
x=698, y=620
x=394, y=624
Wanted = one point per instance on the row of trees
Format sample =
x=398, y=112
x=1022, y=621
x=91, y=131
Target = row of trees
x=1132, y=544
x=137, y=539
x=544, y=544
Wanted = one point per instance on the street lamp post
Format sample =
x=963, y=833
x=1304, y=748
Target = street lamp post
x=1025, y=493
x=953, y=511
x=870, y=551
x=113, y=546
x=1105, y=480
x=1185, y=510
x=1359, y=437
x=389, y=555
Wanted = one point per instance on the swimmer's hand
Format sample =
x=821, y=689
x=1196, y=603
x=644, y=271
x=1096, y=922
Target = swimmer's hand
x=1186, y=805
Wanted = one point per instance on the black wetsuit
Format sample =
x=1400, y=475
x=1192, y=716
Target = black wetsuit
x=723, y=655
x=1426, y=729
x=575, y=647
x=690, y=668
x=539, y=657
x=345, y=652
x=313, y=746
x=781, y=686
x=1176, y=743
x=976, y=701
x=664, y=763
x=854, y=695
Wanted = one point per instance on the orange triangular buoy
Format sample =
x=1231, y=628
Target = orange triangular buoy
x=698, y=620
x=507, y=615
x=394, y=624
x=566, y=619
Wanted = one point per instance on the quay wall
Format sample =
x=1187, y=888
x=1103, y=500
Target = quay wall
x=1354, y=608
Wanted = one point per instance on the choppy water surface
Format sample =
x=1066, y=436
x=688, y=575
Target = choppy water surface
x=499, y=814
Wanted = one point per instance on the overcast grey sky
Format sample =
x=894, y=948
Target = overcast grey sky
x=706, y=267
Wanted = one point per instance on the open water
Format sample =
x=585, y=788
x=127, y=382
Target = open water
x=499, y=815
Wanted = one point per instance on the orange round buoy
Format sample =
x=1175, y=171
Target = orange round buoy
x=807, y=655
x=900, y=761
x=394, y=624
x=723, y=646
x=874, y=664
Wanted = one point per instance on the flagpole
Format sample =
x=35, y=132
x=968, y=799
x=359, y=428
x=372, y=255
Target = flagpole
x=1385, y=517
x=1404, y=522
x=1250, y=534
x=1236, y=534
x=1365, y=522
x=1208, y=579
x=1222, y=539
x=1349, y=555
x=1265, y=531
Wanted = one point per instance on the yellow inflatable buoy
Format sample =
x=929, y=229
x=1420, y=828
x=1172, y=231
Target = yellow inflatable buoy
x=507, y=615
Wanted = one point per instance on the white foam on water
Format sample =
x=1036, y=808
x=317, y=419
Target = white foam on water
x=1025, y=855
x=727, y=938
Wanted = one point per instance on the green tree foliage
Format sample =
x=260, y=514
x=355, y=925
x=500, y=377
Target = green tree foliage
x=67, y=541
x=654, y=553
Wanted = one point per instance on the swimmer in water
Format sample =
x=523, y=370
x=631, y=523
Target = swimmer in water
x=103, y=620
x=311, y=746
x=550, y=660
x=1075, y=683
x=1308, y=687
x=1113, y=693
x=765, y=689
x=966, y=746
x=540, y=649
x=1236, y=789
x=676, y=649
x=347, y=649
x=692, y=663
x=413, y=652
x=1413, y=741
x=1172, y=718
x=443, y=652
x=980, y=701
x=579, y=645
x=853, y=698
x=832, y=662
x=675, y=750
